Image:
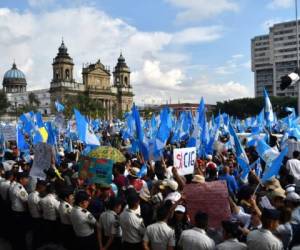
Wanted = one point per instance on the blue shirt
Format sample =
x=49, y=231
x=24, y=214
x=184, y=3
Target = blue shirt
x=231, y=183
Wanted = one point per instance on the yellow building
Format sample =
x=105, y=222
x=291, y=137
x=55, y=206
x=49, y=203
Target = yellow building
x=115, y=98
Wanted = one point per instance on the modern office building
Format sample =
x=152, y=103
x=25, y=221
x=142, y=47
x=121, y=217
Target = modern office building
x=274, y=55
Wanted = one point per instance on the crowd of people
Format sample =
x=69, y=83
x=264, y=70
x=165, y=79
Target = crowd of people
x=150, y=212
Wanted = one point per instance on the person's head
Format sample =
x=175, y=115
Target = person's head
x=296, y=154
x=9, y=175
x=180, y=213
x=41, y=186
x=67, y=194
x=270, y=219
x=115, y=204
x=82, y=199
x=118, y=169
x=285, y=215
x=201, y=220
x=133, y=201
x=105, y=190
x=230, y=230
x=22, y=178
x=163, y=213
x=167, y=186
x=226, y=170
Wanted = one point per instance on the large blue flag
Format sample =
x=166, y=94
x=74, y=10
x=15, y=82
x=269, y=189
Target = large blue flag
x=269, y=115
x=85, y=134
x=59, y=107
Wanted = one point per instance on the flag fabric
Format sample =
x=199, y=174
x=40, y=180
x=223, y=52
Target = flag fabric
x=274, y=168
x=84, y=132
x=59, y=107
x=269, y=115
x=267, y=153
x=21, y=143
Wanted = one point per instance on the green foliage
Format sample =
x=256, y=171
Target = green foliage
x=246, y=107
x=87, y=106
x=4, y=103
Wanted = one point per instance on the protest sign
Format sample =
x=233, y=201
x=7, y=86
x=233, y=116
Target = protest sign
x=96, y=170
x=184, y=160
x=211, y=198
x=43, y=154
x=9, y=132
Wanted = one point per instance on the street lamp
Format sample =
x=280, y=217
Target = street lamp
x=293, y=77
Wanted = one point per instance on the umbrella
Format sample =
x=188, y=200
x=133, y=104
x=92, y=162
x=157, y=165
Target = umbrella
x=106, y=152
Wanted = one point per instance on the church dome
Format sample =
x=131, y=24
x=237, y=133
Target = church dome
x=14, y=73
x=121, y=64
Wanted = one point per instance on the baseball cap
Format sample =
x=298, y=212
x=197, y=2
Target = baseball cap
x=180, y=208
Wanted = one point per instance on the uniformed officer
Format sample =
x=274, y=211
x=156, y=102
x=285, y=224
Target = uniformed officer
x=132, y=224
x=109, y=224
x=5, y=205
x=49, y=207
x=19, y=198
x=64, y=210
x=84, y=223
x=34, y=199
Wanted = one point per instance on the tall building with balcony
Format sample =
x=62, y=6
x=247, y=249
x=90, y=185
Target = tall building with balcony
x=272, y=56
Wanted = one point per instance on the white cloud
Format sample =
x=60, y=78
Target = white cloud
x=280, y=4
x=159, y=72
x=198, y=35
x=40, y=3
x=193, y=10
x=269, y=23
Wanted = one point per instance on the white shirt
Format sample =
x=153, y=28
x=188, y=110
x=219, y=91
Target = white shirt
x=293, y=166
x=49, y=206
x=132, y=225
x=109, y=223
x=231, y=244
x=83, y=222
x=10, y=190
x=295, y=219
x=160, y=236
x=64, y=211
x=19, y=197
x=33, y=205
x=4, y=187
x=263, y=239
x=195, y=239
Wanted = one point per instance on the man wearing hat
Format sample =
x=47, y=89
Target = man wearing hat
x=84, y=223
x=263, y=239
x=169, y=190
x=64, y=210
x=19, y=198
x=34, y=199
x=231, y=234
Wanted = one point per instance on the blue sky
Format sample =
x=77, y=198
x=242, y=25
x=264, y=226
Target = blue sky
x=178, y=49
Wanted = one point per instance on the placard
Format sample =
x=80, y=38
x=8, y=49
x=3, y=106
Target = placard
x=9, y=132
x=211, y=198
x=43, y=155
x=184, y=160
x=96, y=170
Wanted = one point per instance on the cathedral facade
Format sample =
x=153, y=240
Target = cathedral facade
x=114, y=97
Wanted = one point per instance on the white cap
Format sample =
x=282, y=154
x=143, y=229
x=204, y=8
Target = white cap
x=293, y=197
x=180, y=208
x=169, y=183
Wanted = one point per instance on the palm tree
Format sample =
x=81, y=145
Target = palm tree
x=33, y=100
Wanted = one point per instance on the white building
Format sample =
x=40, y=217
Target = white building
x=274, y=55
x=14, y=85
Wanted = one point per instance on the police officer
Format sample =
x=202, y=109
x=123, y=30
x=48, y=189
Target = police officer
x=19, y=198
x=64, y=210
x=84, y=223
x=109, y=224
x=49, y=207
x=34, y=199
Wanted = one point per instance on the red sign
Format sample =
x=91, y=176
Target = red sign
x=211, y=198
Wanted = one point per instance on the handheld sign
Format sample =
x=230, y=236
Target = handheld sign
x=96, y=170
x=184, y=160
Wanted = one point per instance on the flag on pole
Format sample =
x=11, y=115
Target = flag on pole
x=59, y=107
x=269, y=115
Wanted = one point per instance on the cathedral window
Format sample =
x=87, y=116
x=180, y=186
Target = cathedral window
x=125, y=80
x=67, y=74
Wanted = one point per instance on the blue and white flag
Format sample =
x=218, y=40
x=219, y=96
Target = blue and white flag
x=269, y=115
x=267, y=153
x=59, y=107
x=85, y=134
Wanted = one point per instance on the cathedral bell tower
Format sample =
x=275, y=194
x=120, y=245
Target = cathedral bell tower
x=121, y=76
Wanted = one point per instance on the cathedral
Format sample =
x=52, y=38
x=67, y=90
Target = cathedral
x=115, y=98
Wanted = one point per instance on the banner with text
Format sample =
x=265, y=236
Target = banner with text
x=184, y=160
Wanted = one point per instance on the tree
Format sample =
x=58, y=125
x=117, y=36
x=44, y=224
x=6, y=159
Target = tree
x=245, y=107
x=4, y=103
x=33, y=100
x=86, y=105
